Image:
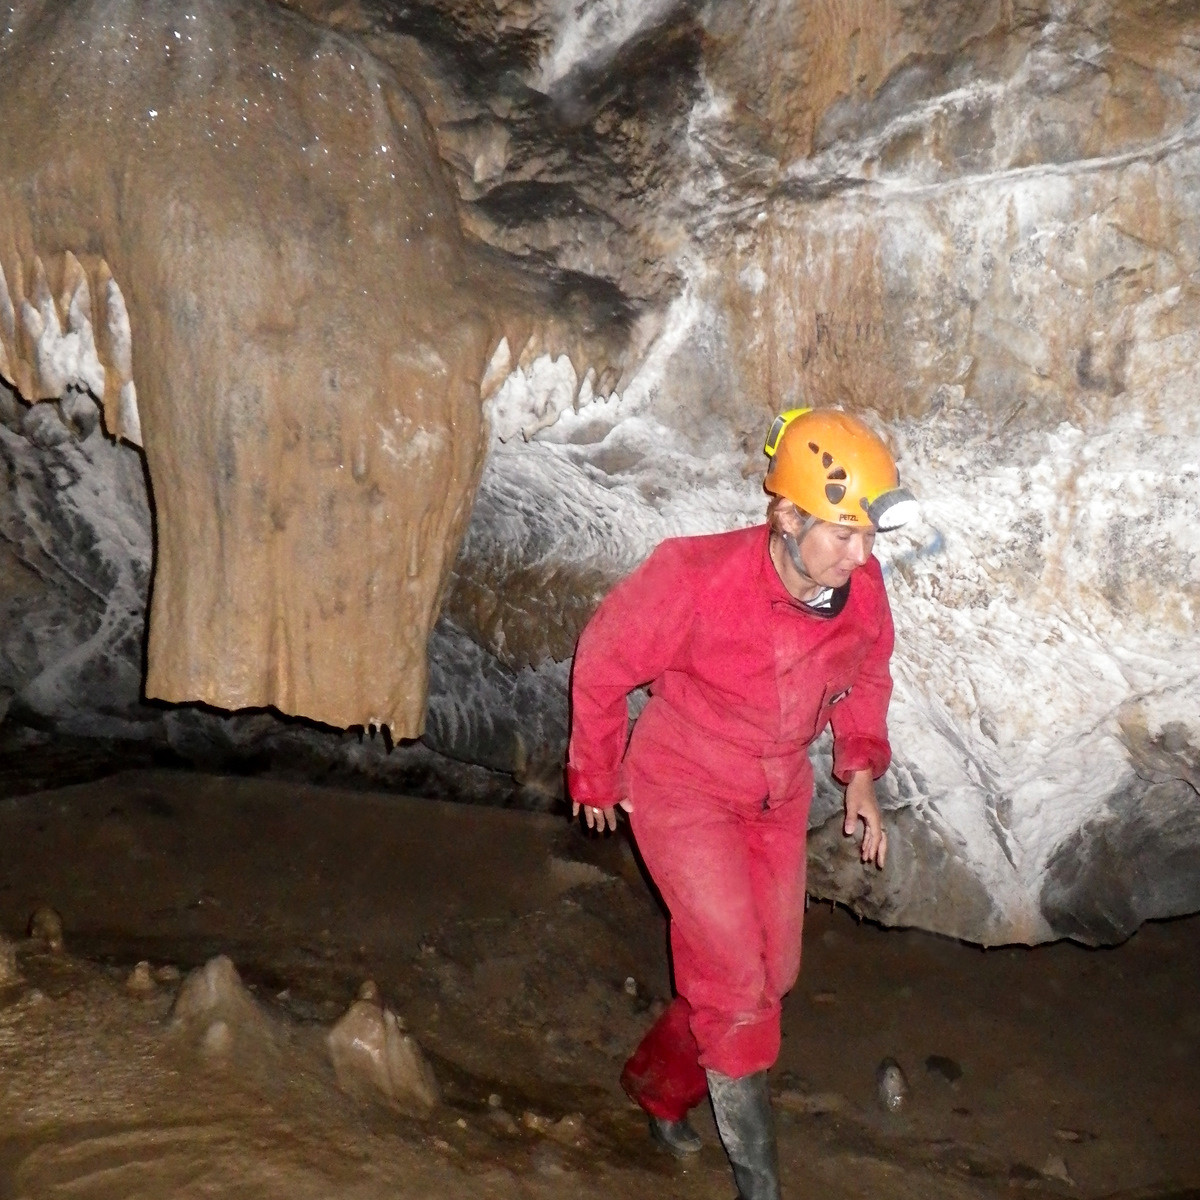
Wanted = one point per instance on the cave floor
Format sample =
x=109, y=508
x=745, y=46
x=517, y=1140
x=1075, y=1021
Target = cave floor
x=526, y=958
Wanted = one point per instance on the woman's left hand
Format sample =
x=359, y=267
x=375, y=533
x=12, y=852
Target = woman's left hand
x=600, y=819
x=861, y=805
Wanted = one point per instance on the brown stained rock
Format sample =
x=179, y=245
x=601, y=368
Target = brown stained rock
x=902, y=299
x=818, y=325
x=800, y=61
x=244, y=216
x=375, y=1058
x=946, y=197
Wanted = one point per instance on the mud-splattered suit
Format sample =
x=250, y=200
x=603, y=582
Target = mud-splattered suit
x=742, y=679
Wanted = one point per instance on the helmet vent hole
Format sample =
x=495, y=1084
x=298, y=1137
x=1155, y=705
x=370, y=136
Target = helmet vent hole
x=827, y=460
x=836, y=473
x=834, y=493
x=814, y=447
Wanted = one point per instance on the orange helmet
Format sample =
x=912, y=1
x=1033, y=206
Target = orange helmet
x=836, y=469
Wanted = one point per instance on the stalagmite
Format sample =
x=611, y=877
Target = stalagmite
x=140, y=981
x=216, y=1015
x=46, y=928
x=374, y=1057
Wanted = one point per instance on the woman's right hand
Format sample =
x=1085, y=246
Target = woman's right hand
x=600, y=818
x=861, y=805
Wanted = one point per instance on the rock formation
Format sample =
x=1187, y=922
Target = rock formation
x=374, y=1058
x=230, y=225
x=978, y=223
x=215, y=1017
x=46, y=929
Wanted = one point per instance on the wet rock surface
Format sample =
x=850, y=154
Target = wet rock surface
x=9, y=975
x=513, y=979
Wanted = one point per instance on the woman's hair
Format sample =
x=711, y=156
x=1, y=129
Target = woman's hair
x=776, y=503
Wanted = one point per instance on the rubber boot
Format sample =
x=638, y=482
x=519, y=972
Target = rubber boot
x=743, y=1111
x=677, y=1136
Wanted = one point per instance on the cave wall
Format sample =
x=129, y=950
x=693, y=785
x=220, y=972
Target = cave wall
x=979, y=224
x=975, y=223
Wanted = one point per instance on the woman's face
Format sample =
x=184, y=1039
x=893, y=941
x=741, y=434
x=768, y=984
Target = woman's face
x=830, y=552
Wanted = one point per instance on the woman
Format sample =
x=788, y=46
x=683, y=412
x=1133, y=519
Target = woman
x=752, y=642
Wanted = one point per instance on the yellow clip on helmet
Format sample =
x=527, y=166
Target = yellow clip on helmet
x=837, y=469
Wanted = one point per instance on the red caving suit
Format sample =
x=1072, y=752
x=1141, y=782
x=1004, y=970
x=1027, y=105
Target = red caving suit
x=742, y=679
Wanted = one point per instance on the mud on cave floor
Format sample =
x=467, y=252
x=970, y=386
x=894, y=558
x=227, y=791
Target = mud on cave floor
x=527, y=958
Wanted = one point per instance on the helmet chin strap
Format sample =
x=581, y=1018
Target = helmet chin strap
x=791, y=543
x=793, y=552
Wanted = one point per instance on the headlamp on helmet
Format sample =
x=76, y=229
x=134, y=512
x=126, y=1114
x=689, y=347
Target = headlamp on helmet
x=892, y=509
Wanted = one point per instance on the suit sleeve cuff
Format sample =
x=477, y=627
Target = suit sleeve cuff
x=600, y=789
x=858, y=752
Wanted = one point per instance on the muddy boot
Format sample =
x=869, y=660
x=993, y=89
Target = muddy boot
x=677, y=1136
x=743, y=1111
